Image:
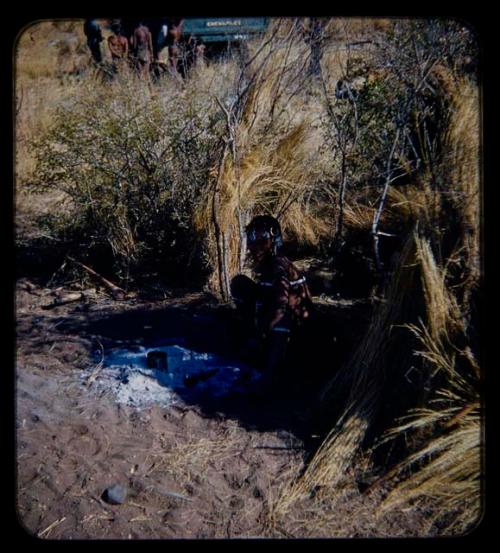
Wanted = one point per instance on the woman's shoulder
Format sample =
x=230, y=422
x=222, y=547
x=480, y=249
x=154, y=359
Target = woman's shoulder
x=284, y=265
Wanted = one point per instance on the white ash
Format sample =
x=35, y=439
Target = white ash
x=126, y=375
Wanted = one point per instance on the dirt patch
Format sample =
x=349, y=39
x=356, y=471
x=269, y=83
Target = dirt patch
x=199, y=467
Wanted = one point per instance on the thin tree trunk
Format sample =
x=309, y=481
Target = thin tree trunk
x=219, y=237
x=225, y=264
x=241, y=230
x=337, y=241
x=376, y=219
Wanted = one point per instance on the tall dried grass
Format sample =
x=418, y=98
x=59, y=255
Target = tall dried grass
x=446, y=465
x=362, y=380
x=441, y=471
x=270, y=163
x=462, y=160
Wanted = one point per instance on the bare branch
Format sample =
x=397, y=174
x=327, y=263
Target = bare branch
x=381, y=205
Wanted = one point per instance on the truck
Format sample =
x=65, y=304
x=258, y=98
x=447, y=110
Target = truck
x=212, y=30
x=219, y=35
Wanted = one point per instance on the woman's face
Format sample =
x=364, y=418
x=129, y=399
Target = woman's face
x=259, y=244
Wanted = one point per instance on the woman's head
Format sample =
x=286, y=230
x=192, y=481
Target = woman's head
x=263, y=236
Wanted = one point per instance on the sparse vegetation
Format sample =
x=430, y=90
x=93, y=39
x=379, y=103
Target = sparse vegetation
x=157, y=182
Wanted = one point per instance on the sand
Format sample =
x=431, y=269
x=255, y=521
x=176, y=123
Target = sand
x=194, y=465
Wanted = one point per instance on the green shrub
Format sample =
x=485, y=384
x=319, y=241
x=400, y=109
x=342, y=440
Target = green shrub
x=131, y=165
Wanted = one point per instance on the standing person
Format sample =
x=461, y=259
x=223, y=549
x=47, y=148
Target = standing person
x=195, y=52
x=175, y=26
x=93, y=32
x=199, y=54
x=141, y=48
x=277, y=304
x=118, y=47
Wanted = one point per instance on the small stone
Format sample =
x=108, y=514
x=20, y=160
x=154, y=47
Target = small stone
x=35, y=418
x=256, y=492
x=115, y=495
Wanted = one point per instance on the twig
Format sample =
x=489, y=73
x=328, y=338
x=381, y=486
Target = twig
x=55, y=273
x=97, y=368
x=53, y=525
x=174, y=494
x=69, y=298
x=219, y=237
x=280, y=447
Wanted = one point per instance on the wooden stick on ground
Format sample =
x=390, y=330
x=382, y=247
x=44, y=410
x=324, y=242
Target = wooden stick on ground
x=117, y=292
x=51, y=526
x=62, y=300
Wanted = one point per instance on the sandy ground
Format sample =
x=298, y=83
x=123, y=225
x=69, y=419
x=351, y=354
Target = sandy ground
x=192, y=469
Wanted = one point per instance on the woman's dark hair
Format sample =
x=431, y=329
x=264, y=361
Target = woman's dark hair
x=267, y=223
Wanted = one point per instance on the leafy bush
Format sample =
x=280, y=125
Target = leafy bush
x=131, y=166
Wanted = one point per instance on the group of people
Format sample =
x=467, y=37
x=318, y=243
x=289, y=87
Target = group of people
x=140, y=44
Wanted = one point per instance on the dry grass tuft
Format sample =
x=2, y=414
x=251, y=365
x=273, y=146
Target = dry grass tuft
x=446, y=465
x=462, y=161
x=183, y=458
x=412, y=203
x=363, y=379
x=452, y=477
x=444, y=319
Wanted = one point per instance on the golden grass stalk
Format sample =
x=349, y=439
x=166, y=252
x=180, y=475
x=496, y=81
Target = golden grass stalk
x=443, y=314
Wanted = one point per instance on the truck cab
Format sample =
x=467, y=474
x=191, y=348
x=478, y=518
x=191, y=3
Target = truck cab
x=224, y=29
x=221, y=35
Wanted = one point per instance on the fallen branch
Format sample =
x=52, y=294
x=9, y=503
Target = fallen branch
x=68, y=298
x=117, y=292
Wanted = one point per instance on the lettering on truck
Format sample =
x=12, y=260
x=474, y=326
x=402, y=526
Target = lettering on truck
x=223, y=23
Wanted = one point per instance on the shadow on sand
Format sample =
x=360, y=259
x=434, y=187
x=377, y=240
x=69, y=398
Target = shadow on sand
x=215, y=330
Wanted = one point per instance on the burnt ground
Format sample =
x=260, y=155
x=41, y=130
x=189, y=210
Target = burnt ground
x=197, y=469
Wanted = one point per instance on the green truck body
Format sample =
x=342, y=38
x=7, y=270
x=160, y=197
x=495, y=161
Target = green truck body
x=224, y=29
